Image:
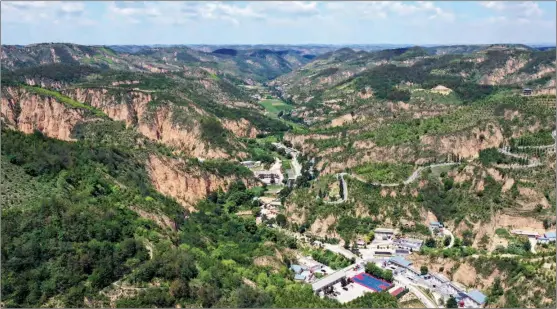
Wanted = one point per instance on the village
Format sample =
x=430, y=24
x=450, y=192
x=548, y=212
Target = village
x=275, y=178
x=378, y=265
x=386, y=252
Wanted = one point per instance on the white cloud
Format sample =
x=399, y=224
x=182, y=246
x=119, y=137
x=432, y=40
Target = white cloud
x=386, y=9
x=235, y=13
x=495, y=5
x=515, y=9
x=34, y=12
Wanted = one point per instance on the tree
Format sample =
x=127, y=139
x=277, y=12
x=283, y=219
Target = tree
x=371, y=236
x=251, y=227
x=451, y=303
x=424, y=270
x=430, y=242
x=281, y=220
x=447, y=241
x=179, y=289
x=527, y=245
x=496, y=288
x=388, y=275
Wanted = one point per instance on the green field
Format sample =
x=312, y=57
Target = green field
x=286, y=165
x=384, y=172
x=274, y=106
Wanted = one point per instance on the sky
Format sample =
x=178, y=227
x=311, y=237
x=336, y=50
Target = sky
x=278, y=22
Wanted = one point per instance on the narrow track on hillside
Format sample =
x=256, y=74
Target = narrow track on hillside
x=415, y=175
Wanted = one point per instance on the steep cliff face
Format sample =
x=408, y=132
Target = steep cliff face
x=466, y=145
x=240, y=128
x=163, y=123
x=186, y=184
x=121, y=107
x=27, y=111
x=498, y=75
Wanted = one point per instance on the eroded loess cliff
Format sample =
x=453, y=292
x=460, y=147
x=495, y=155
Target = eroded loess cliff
x=172, y=125
x=186, y=184
x=240, y=128
x=467, y=145
x=26, y=111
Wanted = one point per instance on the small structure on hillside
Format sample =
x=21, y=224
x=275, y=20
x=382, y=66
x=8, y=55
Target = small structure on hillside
x=251, y=164
x=436, y=228
x=384, y=233
x=408, y=244
x=301, y=273
x=526, y=91
x=268, y=177
x=530, y=234
x=546, y=238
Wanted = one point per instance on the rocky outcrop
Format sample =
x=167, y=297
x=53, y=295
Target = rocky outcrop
x=44, y=83
x=27, y=112
x=187, y=184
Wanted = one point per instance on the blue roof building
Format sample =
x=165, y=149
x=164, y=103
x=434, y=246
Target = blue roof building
x=296, y=268
x=300, y=277
x=400, y=261
x=435, y=224
x=477, y=296
x=550, y=235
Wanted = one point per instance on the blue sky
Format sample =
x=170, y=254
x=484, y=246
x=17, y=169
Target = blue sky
x=278, y=22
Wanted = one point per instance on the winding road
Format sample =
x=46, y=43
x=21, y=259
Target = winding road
x=410, y=178
x=531, y=162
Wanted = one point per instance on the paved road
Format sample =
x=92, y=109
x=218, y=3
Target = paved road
x=506, y=151
x=518, y=166
x=276, y=168
x=341, y=250
x=537, y=147
x=421, y=296
x=296, y=166
x=531, y=162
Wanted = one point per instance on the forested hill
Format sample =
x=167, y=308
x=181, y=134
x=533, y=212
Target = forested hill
x=125, y=181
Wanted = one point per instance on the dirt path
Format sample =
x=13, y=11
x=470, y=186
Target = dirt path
x=409, y=180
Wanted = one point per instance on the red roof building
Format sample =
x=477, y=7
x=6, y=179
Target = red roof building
x=397, y=291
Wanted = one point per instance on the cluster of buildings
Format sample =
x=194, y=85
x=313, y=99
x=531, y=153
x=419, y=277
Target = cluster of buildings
x=387, y=242
x=350, y=283
x=308, y=270
x=439, y=283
